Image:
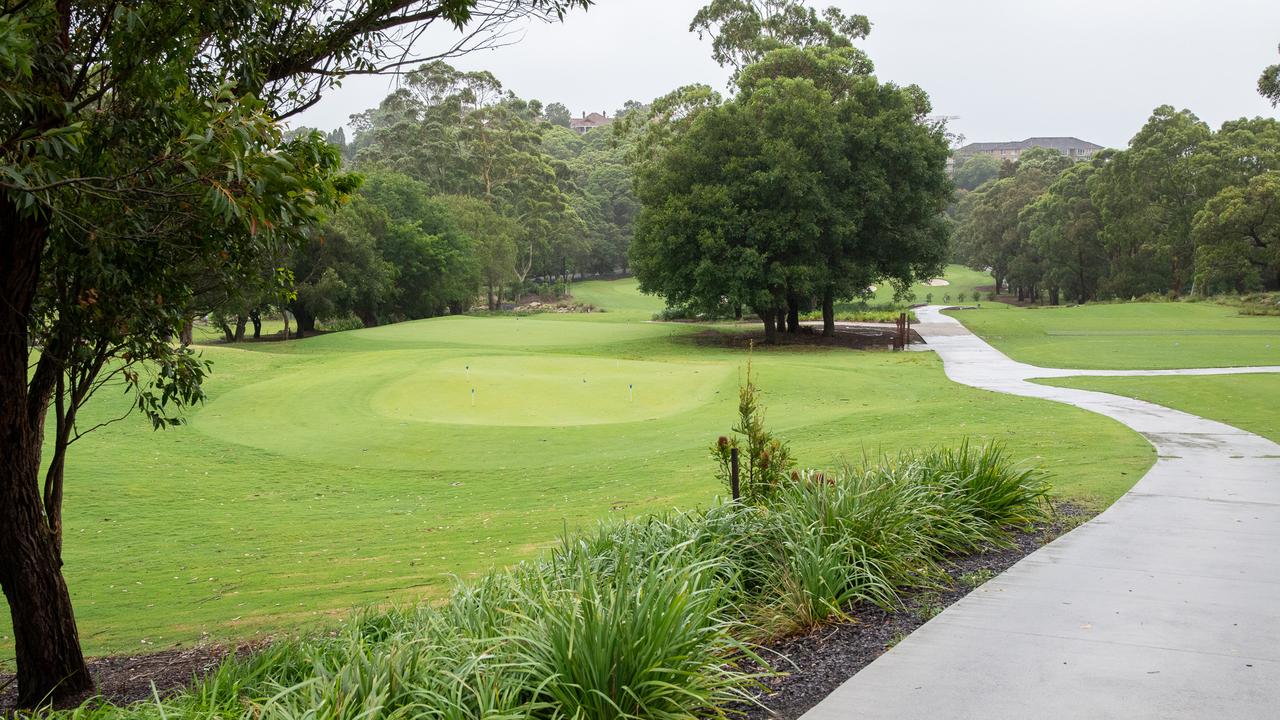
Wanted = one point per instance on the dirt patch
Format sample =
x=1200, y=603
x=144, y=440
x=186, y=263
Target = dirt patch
x=126, y=679
x=817, y=663
x=855, y=337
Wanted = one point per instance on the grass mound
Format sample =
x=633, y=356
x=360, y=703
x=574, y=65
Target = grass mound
x=648, y=618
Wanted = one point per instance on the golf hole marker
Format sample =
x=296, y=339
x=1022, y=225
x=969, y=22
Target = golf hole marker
x=631, y=390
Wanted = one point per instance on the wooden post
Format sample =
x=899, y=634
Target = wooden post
x=733, y=473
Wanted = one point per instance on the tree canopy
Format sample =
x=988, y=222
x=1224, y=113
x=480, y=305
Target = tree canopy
x=801, y=190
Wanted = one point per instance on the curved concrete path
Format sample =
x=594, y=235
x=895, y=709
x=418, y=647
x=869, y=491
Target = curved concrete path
x=1166, y=605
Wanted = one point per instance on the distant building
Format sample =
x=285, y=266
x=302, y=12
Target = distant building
x=1074, y=148
x=587, y=123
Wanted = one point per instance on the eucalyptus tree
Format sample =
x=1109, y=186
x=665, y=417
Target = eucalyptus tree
x=1148, y=196
x=742, y=32
x=993, y=234
x=1269, y=84
x=141, y=170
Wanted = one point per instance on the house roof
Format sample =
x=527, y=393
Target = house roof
x=1055, y=143
x=593, y=120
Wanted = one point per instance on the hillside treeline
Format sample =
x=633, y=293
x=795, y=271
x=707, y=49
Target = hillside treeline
x=466, y=194
x=1182, y=210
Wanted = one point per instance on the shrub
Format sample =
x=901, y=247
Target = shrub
x=648, y=639
x=764, y=459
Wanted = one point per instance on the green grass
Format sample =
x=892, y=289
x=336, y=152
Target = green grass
x=960, y=278
x=351, y=468
x=1249, y=402
x=1129, y=336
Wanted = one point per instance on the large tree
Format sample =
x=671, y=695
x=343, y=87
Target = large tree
x=790, y=193
x=141, y=170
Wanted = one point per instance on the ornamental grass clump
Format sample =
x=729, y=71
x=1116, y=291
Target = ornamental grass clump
x=649, y=638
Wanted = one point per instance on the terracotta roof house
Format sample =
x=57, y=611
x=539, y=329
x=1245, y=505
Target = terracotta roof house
x=590, y=122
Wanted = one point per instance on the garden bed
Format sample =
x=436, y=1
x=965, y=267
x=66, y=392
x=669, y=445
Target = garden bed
x=813, y=665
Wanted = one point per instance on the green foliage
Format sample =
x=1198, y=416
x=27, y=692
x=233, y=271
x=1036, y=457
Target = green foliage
x=1237, y=236
x=765, y=460
x=972, y=172
x=1172, y=213
x=1269, y=84
x=744, y=31
x=744, y=204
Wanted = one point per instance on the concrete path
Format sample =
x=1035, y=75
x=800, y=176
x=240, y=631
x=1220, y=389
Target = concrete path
x=1166, y=605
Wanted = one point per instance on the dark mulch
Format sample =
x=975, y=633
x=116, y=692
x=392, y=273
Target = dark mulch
x=125, y=679
x=817, y=663
x=856, y=337
x=814, y=664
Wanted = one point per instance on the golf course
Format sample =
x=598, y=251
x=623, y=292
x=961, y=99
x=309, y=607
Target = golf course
x=373, y=466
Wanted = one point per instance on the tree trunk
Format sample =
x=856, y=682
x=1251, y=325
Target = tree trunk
x=769, y=318
x=241, y=322
x=306, y=322
x=828, y=314
x=255, y=317
x=1054, y=295
x=187, y=335
x=793, y=315
x=46, y=644
x=780, y=319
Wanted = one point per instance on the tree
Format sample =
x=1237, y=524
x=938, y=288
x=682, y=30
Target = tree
x=993, y=235
x=128, y=191
x=557, y=114
x=1063, y=226
x=1148, y=196
x=972, y=171
x=742, y=32
x=492, y=238
x=1269, y=84
x=785, y=194
x=340, y=272
x=1237, y=238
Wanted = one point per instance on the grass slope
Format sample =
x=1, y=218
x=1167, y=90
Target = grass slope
x=1129, y=336
x=351, y=468
x=1249, y=402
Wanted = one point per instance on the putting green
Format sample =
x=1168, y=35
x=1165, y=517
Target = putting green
x=547, y=390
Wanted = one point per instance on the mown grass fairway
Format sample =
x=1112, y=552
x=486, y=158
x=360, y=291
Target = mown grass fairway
x=352, y=468
x=1129, y=336
x=1249, y=402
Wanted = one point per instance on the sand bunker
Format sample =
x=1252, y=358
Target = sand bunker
x=938, y=282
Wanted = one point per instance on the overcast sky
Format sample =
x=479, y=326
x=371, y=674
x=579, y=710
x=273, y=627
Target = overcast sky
x=1010, y=69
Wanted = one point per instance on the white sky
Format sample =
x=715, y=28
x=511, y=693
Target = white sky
x=1009, y=68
